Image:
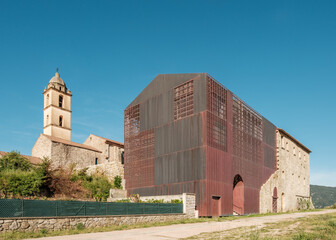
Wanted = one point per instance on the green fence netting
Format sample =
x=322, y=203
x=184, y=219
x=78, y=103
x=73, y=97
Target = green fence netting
x=43, y=208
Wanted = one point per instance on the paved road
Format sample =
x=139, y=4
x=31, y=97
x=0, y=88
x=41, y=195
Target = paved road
x=184, y=230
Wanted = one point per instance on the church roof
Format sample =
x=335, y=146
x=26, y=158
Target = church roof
x=31, y=159
x=57, y=79
x=110, y=142
x=70, y=143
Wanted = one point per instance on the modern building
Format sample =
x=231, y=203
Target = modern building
x=188, y=133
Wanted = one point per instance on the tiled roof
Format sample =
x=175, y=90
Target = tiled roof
x=31, y=159
x=70, y=143
x=111, y=142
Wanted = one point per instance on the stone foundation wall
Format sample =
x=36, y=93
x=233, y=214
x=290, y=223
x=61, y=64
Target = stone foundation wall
x=51, y=224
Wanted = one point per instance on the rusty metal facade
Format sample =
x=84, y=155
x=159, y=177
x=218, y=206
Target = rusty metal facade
x=188, y=133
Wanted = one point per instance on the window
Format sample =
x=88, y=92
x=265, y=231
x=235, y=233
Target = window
x=184, y=100
x=122, y=158
x=60, y=88
x=60, y=101
x=96, y=161
x=60, y=123
x=294, y=151
x=47, y=102
x=47, y=119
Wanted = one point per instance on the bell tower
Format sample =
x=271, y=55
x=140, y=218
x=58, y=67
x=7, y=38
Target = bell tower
x=57, y=109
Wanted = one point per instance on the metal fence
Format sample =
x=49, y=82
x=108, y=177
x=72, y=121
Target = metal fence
x=42, y=208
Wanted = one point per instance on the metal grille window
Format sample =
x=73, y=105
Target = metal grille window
x=216, y=120
x=132, y=121
x=216, y=99
x=184, y=100
x=247, y=131
x=139, y=150
x=217, y=132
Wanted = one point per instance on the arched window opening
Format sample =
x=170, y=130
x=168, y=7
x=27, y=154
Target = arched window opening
x=60, y=88
x=237, y=179
x=47, y=99
x=47, y=121
x=96, y=161
x=60, y=101
x=61, y=121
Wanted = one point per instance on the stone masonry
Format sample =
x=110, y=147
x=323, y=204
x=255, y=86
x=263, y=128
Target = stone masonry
x=62, y=223
x=291, y=178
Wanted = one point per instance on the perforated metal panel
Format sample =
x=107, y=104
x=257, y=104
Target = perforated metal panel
x=203, y=136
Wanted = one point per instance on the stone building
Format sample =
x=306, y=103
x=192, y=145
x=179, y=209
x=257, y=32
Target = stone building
x=288, y=188
x=111, y=160
x=96, y=153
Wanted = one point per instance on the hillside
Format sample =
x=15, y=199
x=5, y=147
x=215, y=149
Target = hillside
x=323, y=196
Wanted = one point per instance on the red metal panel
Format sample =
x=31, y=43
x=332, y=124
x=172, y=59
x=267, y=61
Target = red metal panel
x=233, y=143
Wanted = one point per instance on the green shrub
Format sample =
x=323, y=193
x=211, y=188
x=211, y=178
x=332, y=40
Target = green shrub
x=99, y=187
x=80, y=226
x=14, y=161
x=117, y=182
x=17, y=183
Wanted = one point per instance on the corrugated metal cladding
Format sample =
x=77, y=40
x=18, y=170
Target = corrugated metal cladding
x=188, y=133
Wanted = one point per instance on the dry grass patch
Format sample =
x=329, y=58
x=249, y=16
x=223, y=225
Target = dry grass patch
x=307, y=228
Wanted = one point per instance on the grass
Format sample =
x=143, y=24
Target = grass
x=307, y=228
x=79, y=228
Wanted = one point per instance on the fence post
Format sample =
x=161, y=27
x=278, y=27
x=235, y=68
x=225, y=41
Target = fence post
x=22, y=206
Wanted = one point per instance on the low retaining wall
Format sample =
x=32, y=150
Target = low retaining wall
x=62, y=223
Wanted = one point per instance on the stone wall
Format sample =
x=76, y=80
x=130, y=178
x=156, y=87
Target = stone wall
x=42, y=147
x=65, y=155
x=62, y=223
x=291, y=179
x=110, y=161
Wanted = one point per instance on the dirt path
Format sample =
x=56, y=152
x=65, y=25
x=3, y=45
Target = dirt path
x=185, y=230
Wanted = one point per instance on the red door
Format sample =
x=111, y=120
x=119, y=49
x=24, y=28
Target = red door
x=215, y=206
x=238, y=198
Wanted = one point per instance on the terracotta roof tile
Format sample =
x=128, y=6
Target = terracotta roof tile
x=31, y=159
x=109, y=141
x=70, y=143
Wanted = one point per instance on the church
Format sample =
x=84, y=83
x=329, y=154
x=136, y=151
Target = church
x=96, y=153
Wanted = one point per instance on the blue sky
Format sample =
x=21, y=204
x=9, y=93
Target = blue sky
x=278, y=56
